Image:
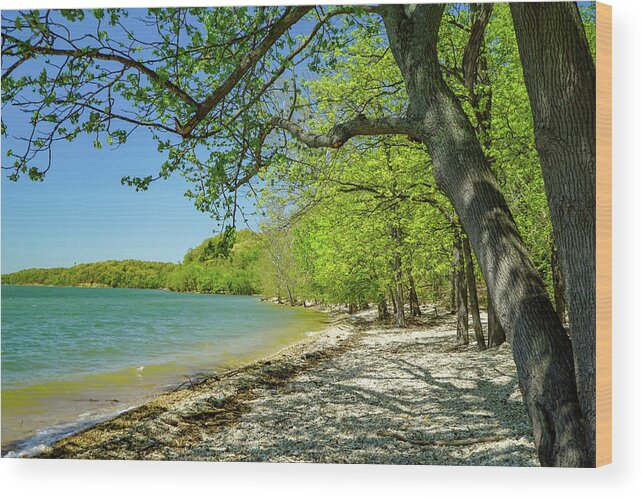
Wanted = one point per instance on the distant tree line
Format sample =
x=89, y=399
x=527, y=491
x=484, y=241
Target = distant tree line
x=209, y=268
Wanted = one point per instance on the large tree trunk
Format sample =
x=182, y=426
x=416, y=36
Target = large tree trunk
x=495, y=333
x=473, y=294
x=561, y=81
x=541, y=349
x=558, y=283
x=461, y=289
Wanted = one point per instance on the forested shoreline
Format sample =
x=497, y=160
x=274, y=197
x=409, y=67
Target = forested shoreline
x=203, y=270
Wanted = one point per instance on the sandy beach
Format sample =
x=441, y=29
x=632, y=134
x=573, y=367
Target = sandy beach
x=357, y=392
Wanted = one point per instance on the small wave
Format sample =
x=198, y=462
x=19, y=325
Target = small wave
x=44, y=439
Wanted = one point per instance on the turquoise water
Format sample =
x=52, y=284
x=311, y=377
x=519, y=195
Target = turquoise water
x=71, y=356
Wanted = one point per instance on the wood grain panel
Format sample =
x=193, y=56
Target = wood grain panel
x=603, y=234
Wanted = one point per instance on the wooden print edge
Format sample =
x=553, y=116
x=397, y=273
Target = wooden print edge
x=603, y=234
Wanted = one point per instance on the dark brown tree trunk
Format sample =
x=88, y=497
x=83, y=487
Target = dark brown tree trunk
x=461, y=289
x=291, y=298
x=559, y=285
x=397, y=271
x=561, y=81
x=452, y=292
x=495, y=333
x=393, y=302
x=542, y=351
x=414, y=302
x=473, y=294
x=352, y=308
x=382, y=310
x=475, y=73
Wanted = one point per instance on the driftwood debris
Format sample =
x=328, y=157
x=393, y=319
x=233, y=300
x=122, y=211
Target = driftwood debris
x=442, y=443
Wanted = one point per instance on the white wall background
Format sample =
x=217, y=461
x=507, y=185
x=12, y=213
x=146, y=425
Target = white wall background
x=115, y=480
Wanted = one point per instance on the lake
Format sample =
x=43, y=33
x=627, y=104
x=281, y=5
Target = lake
x=74, y=356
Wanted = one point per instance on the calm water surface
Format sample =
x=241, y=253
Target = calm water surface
x=72, y=356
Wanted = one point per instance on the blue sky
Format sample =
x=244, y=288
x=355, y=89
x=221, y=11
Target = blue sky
x=81, y=212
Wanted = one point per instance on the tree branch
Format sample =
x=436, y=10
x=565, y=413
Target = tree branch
x=96, y=54
x=280, y=71
x=290, y=17
x=342, y=132
x=474, y=45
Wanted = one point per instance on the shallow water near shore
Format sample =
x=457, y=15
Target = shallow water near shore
x=72, y=356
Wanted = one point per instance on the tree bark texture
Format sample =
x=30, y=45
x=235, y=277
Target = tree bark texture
x=560, y=76
x=399, y=309
x=559, y=285
x=452, y=293
x=461, y=289
x=399, y=291
x=414, y=302
x=382, y=310
x=473, y=294
x=541, y=349
x=495, y=333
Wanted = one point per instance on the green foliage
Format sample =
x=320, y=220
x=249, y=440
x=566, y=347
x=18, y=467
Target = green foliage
x=345, y=226
x=113, y=274
x=156, y=70
x=214, y=267
x=205, y=270
x=342, y=226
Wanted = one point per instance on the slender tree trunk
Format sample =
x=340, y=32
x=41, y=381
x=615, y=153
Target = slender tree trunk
x=559, y=285
x=382, y=310
x=541, y=349
x=452, y=290
x=399, y=308
x=393, y=301
x=397, y=272
x=278, y=287
x=561, y=81
x=414, y=302
x=291, y=298
x=473, y=294
x=495, y=332
x=461, y=289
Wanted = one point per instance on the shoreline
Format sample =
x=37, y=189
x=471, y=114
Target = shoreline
x=105, y=286
x=262, y=298
x=227, y=388
x=194, y=379
x=91, y=403
x=355, y=392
